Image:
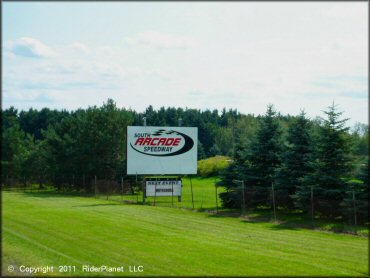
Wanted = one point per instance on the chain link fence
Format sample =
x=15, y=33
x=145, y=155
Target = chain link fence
x=204, y=195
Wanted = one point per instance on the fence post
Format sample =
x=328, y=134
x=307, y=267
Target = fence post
x=95, y=187
x=312, y=209
x=108, y=188
x=216, y=195
x=243, y=188
x=121, y=189
x=192, y=195
x=273, y=199
x=354, y=209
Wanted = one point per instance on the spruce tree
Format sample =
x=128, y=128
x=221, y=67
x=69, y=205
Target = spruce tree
x=263, y=158
x=296, y=157
x=355, y=205
x=330, y=166
x=231, y=197
x=362, y=194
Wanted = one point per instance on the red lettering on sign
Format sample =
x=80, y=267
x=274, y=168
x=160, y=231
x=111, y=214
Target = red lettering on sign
x=169, y=142
x=147, y=141
x=152, y=143
x=177, y=141
x=162, y=141
x=157, y=141
x=139, y=141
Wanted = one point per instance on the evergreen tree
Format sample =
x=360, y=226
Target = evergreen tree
x=15, y=150
x=362, y=194
x=355, y=205
x=330, y=167
x=255, y=163
x=264, y=158
x=232, y=197
x=296, y=157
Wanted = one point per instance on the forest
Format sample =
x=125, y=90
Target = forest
x=292, y=153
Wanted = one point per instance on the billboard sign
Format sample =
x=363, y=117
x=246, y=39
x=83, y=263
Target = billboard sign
x=163, y=187
x=161, y=150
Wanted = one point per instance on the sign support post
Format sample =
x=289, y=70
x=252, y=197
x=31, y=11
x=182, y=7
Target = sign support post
x=144, y=192
x=137, y=194
x=172, y=193
x=155, y=192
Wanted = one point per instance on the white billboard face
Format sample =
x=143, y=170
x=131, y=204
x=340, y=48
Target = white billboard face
x=161, y=150
x=163, y=188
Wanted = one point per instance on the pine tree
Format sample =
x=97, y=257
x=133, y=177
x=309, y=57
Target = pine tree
x=356, y=202
x=256, y=163
x=363, y=194
x=330, y=167
x=232, y=197
x=296, y=157
x=264, y=158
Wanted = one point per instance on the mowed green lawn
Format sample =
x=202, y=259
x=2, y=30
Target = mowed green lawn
x=204, y=195
x=48, y=229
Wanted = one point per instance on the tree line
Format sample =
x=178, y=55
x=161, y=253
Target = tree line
x=310, y=164
x=69, y=148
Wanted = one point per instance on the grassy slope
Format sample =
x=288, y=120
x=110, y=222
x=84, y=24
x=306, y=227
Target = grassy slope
x=41, y=229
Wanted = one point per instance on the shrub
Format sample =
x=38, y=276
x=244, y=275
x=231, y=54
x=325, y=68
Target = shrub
x=211, y=166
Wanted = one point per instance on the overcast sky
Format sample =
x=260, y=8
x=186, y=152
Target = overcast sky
x=209, y=55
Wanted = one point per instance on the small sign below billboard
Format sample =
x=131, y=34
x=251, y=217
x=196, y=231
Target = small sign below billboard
x=161, y=150
x=163, y=187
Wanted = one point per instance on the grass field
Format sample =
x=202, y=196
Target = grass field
x=204, y=195
x=45, y=229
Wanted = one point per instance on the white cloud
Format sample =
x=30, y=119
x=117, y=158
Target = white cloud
x=238, y=54
x=30, y=47
x=345, y=11
x=79, y=47
x=161, y=40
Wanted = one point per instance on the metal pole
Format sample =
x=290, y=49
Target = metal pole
x=180, y=121
x=354, y=207
x=144, y=119
x=172, y=193
x=179, y=198
x=216, y=195
x=243, y=196
x=192, y=195
x=137, y=193
x=108, y=188
x=144, y=191
x=121, y=188
x=95, y=186
x=155, y=191
x=273, y=199
x=312, y=203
